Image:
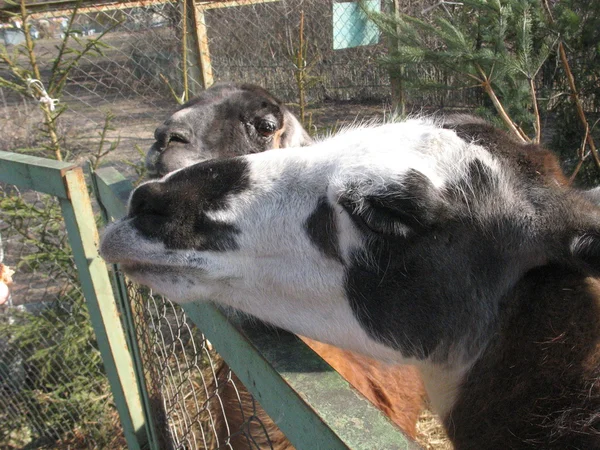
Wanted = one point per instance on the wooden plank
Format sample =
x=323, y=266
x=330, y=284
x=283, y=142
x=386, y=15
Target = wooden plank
x=112, y=190
x=201, y=39
x=104, y=314
x=32, y=172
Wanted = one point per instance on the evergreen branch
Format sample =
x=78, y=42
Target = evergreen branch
x=21, y=74
x=13, y=86
x=91, y=45
x=487, y=87
x=63, y=47
x=451, y=35
x=29, y=44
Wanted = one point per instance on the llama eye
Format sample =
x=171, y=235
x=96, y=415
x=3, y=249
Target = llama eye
x=266, y=127
x=377, y=219
x=174, y=137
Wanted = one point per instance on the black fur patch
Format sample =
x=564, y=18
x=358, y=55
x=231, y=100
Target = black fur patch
x=173, y=211
x=536, y=385
x=322, y=230
x=415, y=203
x=419, y=294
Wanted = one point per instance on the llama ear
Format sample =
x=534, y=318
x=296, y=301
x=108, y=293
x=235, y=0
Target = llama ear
x=585, y=248
x=294, y=135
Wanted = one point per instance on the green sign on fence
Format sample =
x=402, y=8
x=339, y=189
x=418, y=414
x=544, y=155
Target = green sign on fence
x=352, y=27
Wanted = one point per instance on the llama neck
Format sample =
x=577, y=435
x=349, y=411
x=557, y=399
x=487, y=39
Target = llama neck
x=537, y=383
x=442, y=384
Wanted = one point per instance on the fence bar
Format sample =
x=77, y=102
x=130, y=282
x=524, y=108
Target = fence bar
x=311, y=403
x=112, y=191
x=32, y=172
x=95, y=283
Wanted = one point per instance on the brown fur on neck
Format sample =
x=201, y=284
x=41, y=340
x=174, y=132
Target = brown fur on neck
x=538, y=383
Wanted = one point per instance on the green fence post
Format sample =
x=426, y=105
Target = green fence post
x=114, y=189
x=97, y=289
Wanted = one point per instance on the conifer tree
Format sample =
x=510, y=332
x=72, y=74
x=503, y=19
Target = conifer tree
x=498, y=46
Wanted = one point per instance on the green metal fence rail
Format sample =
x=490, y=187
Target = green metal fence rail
x=66, y=182
x=314, y=406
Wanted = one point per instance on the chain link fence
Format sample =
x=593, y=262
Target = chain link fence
x=53, y=390
x=139, y=77
x=198, y=403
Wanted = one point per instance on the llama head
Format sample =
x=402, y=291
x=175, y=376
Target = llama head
x=225, y=120
x=400, y=241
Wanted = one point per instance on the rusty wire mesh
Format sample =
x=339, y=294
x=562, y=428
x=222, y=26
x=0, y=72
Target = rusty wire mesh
x=53, y=390
x=198, y=403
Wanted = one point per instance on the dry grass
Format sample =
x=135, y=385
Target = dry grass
x=430, y=433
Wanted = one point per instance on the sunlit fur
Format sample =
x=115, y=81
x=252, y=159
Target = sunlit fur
x=430, y=236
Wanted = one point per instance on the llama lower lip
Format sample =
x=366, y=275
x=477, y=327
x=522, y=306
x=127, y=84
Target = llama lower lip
x=141, y=267
x=138, y=267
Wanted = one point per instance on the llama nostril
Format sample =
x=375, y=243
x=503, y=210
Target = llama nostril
x=148, y=199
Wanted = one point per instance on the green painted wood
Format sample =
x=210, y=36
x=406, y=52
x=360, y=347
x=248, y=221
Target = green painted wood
x=311, y=403
x=95, y=283
x=112, y=191
x=32, y=172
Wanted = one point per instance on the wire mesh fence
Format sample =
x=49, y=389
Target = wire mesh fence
x=196, y=400
x=53, y=390
x=304, y=51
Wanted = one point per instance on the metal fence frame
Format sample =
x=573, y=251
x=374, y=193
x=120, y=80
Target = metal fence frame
x=66, y=182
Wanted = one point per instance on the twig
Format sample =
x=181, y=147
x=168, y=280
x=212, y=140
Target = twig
x=56, y=88
x=63, y=46
x=538, y=122
x=181, y=100
x=574, y=93
x=183, y=56
x=45, y=107
x=487, y=87
x=582, y=157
